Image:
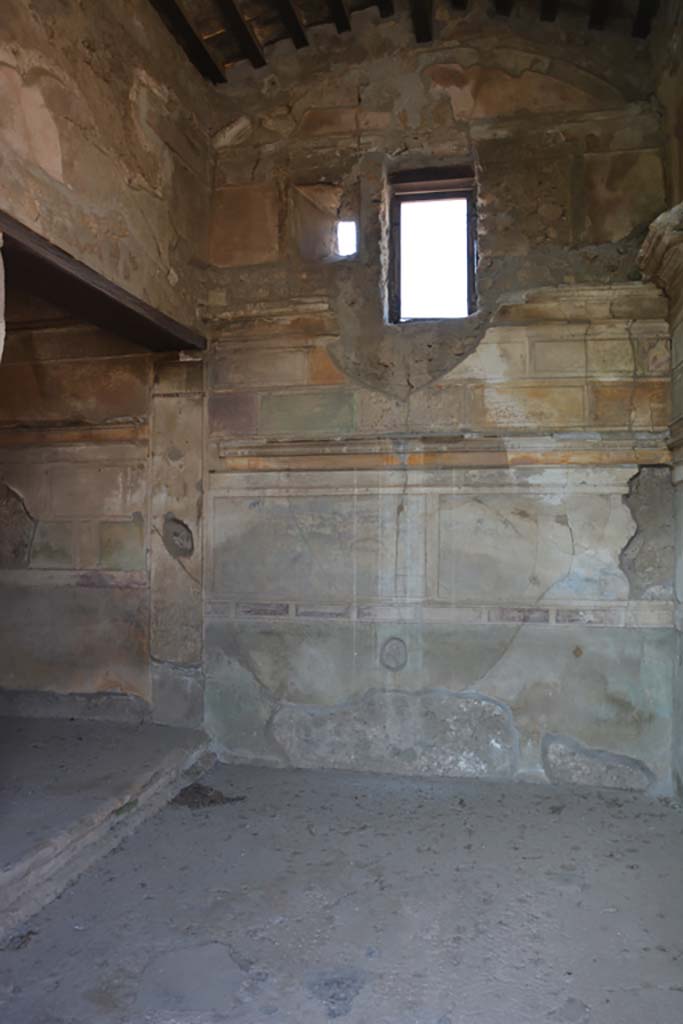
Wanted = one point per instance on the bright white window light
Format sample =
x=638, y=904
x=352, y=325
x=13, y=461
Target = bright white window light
x=434, y=275
x=347, y=238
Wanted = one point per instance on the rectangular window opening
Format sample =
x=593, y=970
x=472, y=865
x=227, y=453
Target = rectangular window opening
x=347, y=238
x=433, y=247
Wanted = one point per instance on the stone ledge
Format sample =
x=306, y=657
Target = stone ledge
x=620, y=614
x=415, y=452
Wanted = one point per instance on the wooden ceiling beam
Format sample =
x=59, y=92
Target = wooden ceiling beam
x=186, y=37
x=292, y=22
x=642, y=22
x=422, y=12
x=241, y=29
x=549, y=10
x=340, y=15
x=40, y=268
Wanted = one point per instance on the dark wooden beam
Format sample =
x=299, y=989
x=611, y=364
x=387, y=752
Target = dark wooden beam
x=36, y=266
x=460, y=5
x=549, y=10
x=180, y=28
x=385, y=8
x=340, y=15
x=504, y=7
x=422, y=12
x=642, y=23
x=292, y=22
x=249, y=44
x=600, y=13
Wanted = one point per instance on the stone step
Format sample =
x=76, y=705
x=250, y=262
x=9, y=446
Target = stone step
x=41, y=872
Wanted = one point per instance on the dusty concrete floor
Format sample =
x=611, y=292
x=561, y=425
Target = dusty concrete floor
x=369, y=899
x=55, y=772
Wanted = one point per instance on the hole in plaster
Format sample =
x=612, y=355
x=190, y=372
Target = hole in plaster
x=177, y=537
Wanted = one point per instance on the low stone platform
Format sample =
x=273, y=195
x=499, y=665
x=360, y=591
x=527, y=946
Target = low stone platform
x=71, y=790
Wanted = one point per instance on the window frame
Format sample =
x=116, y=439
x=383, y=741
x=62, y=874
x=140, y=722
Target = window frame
x=415, y=186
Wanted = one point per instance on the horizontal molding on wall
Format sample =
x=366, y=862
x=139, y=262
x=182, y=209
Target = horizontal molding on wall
x=123, y=433
x=95, y=578
x=552, y=479
x=623, y=614
x=420, y=452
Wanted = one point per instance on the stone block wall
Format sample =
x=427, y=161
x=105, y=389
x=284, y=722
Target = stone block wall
x=441, y=547
x=437, y=547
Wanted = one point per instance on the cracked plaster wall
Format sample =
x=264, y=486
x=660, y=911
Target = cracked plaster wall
x=430, y=546
x=419, y=543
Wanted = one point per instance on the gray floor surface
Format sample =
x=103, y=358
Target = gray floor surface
x=372, y=900
x=56, y=772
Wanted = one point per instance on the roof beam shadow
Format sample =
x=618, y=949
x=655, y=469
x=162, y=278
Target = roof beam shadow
x=241, y=29
x=292, y=22
x=422, y=12
x=186, y=37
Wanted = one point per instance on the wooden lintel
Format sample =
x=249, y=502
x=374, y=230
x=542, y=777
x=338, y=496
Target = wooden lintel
x=39, y=267
x=182, y=31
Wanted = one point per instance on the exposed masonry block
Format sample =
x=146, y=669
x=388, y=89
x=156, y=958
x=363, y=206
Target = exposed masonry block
x=636, y=405
x=178, y=377
x=537, y=615
x=649, y=558
x=177, y=695
x=245, y=226
x=233, y=414
x=234, y=367
x=272, y=609
x=540, y=406
x=16, y=530
x=92, y=391
x=437, y=408
x=567, y=761
x=122, y=545
x=590, y=616
x=322, y=370
x=550, y=359
x=623, y=191
x=432, y=733
x=323, y=412
x=97, y=490
x=82, y=638
x=53, y=546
